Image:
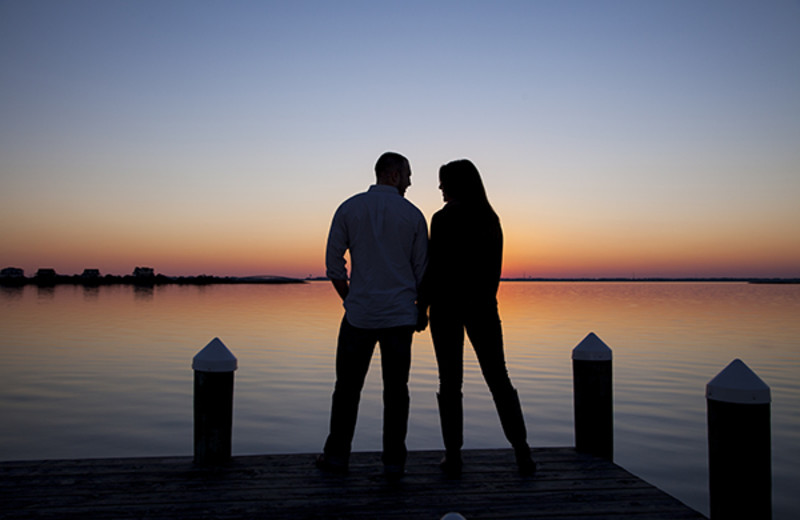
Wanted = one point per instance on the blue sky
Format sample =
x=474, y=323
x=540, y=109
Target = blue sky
x=615, y=138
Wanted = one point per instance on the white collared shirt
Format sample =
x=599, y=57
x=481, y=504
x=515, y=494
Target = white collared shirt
x=388, y=241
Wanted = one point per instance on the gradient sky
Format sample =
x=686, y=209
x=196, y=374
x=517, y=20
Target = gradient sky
x=615, y=138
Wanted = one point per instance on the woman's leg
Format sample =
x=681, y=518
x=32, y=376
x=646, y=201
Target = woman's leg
x=447, y=333
x=486, y=335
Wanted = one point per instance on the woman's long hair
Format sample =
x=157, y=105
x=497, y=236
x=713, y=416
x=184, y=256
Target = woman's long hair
x=461, y=182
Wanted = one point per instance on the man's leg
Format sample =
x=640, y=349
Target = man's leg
x=353, y=355
x=395, y=345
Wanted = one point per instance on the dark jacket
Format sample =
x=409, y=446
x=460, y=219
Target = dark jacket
x=465, y=255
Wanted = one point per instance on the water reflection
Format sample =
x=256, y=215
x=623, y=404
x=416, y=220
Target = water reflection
x=45, y=292
x=91, y=292
x=10, y=293
x=143, y=292
x=108, y=369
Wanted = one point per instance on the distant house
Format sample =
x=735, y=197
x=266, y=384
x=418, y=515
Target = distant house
x=12, y=272
x=143, y=272
x=91, y=274
x=12, y=276
x=46, y=273
x=45, y=277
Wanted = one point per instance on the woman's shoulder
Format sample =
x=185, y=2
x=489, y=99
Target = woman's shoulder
x=444, y=212
x=460, y=210
x=451, y=212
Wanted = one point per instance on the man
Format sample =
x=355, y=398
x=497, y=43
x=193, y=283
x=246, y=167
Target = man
x=388, y=241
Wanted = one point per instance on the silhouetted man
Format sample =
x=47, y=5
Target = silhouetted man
x=387, y=237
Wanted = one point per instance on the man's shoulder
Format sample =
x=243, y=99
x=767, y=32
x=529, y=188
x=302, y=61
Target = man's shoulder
x=374, y=196
x=353, y=200
x=410, y=205
x=412, y=213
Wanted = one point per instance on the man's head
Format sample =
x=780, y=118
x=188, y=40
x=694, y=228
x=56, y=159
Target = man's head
x=392, y=169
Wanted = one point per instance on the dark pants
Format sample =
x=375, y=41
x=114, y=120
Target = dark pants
x=482, y=324
x=353, y=354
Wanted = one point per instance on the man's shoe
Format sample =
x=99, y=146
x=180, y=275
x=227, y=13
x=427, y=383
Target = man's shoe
x=330, y=466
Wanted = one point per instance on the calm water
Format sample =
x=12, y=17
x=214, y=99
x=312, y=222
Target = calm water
x=106, y=372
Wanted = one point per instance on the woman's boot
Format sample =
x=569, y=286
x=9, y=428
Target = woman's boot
x=451, y=415
x=510, y=411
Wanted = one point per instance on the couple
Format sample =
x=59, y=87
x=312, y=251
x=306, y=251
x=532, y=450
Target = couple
x=396, y=274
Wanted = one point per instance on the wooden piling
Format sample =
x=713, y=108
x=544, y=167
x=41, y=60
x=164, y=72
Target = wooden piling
x=213, y=403
x=593, y=397
x=739, y=444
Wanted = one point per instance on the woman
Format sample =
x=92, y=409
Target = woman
x=460, y=286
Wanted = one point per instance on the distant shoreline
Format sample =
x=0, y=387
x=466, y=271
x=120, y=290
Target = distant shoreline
x=160, y=279
x=659, y=279
x=145, y=281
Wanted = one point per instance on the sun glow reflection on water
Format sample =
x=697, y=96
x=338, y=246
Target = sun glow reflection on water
x=106, y=372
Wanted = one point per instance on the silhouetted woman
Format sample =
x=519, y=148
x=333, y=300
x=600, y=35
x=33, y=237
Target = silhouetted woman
x=465, y=258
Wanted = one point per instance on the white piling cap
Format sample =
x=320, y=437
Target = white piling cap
x=738, y=384
x=591, y=348
x=215, y=357
x=453, y=516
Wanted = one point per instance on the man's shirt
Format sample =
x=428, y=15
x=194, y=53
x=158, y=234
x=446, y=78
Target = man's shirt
x=388, y=241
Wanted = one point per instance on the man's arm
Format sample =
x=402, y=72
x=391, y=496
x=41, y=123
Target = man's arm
x=334, y=255
x=420, y=265
x=341, y=287
x=419, y=252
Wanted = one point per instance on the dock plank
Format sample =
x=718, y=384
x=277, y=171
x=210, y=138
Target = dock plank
x=568, y=485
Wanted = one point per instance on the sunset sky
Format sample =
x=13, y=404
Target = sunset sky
x=615, y=138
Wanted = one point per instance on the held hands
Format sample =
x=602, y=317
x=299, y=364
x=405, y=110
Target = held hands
x=422, y=318
x=342, y=288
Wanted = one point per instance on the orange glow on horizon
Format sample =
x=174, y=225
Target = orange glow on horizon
x=229, y=248
x=552, y=256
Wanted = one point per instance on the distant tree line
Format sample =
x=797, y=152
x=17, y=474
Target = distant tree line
x=145, y=276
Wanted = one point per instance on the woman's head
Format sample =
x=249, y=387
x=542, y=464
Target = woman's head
x=459, y=180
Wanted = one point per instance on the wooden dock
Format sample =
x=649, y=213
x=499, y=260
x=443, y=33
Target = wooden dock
x=568, y=485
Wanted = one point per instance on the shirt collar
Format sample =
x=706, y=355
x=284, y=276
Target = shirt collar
x=384, y=188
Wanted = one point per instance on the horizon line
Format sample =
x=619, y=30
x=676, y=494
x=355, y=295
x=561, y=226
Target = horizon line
x=9, y=273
